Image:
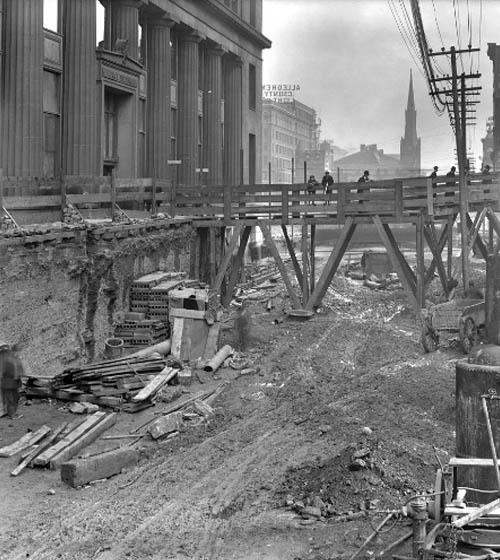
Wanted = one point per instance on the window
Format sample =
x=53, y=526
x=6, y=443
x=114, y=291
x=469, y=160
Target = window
x=252, y=87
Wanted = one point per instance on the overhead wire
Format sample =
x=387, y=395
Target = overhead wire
x=414, y=55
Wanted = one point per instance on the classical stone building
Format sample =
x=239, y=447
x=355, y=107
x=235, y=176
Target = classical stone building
x=172, y=91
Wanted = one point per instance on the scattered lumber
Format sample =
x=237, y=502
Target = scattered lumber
x=38, y=450
x=29, y=439
x=72, y=436
x=91, y=435
x=110, y=383
x=155, y=385
x=79, y=472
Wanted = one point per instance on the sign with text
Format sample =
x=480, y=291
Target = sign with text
x=280, y=93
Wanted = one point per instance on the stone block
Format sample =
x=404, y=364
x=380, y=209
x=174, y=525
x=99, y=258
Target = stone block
x=79, y=472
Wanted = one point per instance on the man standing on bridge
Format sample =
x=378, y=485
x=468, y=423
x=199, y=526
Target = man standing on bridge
x=327, y=183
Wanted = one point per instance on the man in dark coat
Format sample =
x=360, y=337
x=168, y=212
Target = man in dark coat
x=11, y=371
x=327, y=183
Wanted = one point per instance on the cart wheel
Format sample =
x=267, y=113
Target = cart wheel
x=429, y=337
x=468, y=334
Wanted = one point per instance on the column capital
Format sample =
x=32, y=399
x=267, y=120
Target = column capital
x=234, y=59
x=159, y=21
x=190, y=37
x=129, y=3
x=215, y=49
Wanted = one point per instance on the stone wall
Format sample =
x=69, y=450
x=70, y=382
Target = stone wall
x=60, y=291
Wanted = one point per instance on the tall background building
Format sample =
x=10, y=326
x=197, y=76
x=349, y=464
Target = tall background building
x=172, y=91
x=290, y=136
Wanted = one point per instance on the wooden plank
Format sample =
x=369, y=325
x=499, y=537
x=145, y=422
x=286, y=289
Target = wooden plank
x=39, y=449
x=47, y=455
x=398, y=199
x=478, y=513
x=155, y=384
x=266, y=232
x=472, y=462
x=437, y=261
x=86, y=439
x=332, y=264
x=187, y=313
x=430, y=197
x=396, y=262
x=420, y=273
x=293, y=256
x=29, y=439
x=227, y=258
x=238, y=261
x=305, y=265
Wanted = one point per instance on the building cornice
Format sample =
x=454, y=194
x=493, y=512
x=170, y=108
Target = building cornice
x=237, y=23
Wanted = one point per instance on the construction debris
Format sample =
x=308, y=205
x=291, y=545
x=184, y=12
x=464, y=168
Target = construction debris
x=79, y=472
x=112, y=383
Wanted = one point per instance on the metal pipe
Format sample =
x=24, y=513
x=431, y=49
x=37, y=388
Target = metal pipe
x=492, y=441
x=218, y=359
x=419, y=507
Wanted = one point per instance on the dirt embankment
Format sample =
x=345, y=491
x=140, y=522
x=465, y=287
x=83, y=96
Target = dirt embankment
x=351, y=383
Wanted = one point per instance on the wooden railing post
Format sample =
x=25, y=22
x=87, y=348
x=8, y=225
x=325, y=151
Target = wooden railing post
x=430, y=197
x=341, y=200
x=398, y=199
x=284, y=205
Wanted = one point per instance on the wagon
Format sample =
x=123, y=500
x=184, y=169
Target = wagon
x=444, y=320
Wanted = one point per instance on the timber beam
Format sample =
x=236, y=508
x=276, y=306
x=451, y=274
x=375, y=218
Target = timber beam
x=332, y=264
x=266, y=232
x=403, y=270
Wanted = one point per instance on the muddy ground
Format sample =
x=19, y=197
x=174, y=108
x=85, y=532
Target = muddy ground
x=354, y=379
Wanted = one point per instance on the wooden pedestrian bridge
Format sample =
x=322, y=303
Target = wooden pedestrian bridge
x=431, y=206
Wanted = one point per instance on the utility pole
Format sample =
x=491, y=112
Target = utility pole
x=459, y=103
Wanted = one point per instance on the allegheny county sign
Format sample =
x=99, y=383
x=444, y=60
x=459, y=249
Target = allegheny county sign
x=280, y=93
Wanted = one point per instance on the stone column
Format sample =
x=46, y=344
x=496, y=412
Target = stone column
x=123, y=23
x=79, y=89
x=212, y=115
x=187, y=107
x=232, y=120
x=158, y=96
x=22, y=89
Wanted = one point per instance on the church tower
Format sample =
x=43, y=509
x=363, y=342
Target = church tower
x=410, y=144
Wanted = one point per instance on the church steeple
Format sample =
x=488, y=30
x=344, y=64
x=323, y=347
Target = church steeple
x=410, y=143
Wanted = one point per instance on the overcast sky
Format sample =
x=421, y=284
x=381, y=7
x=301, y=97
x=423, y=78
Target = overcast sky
x=353, y=66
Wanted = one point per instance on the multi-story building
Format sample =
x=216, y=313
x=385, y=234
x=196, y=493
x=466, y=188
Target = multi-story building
x=172, y=90
x=290, y=137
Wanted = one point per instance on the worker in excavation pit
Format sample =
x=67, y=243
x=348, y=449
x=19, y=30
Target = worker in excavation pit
x=11, y=371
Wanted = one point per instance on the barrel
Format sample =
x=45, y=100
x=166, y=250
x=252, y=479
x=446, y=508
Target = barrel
x=113, y=348
x=472, y=441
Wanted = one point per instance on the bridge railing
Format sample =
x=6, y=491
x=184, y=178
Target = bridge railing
x=397, y=199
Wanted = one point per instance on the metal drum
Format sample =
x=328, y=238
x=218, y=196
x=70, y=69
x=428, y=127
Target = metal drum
x=473, y=381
